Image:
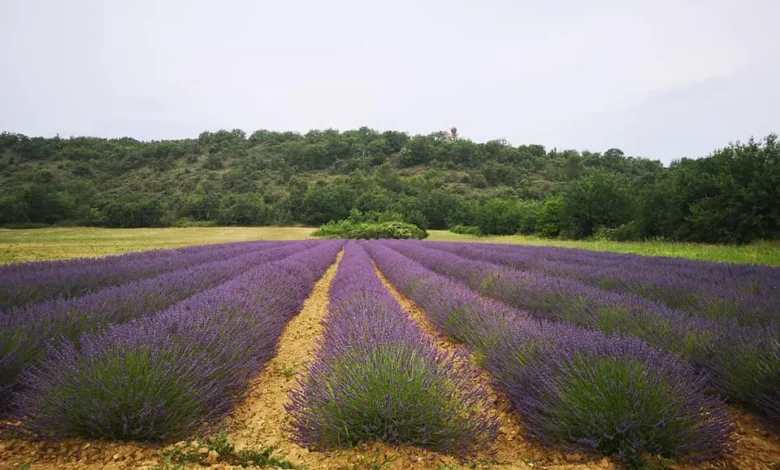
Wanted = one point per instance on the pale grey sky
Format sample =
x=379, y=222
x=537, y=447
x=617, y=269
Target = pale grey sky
x=657, y=78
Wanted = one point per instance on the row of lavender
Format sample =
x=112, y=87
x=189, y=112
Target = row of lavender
x=377, y=377
x=745, y=294
x=572, y=387
x=166, y=374
x=28, y=333
x=25, y=284
x=743, y=362
x=28, y=267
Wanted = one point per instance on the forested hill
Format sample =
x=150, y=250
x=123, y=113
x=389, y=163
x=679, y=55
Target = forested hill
x=435, y=181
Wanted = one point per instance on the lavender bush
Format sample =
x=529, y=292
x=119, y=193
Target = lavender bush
x=749, y=376
x=457, y=311
x=574, y=389
x=746, y=294
x=750, y=278
x=28, y=267
x=68, y=279
x=27, y=333
x=163, y=377
x=613, y=396
x=376, y=377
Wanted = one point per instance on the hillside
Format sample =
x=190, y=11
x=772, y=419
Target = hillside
x=436, y=181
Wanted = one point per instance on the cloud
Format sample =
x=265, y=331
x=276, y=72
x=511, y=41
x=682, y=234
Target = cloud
x=661, y=79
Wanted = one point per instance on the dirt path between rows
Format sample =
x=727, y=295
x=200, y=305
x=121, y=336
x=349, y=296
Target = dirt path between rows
x=260, y=421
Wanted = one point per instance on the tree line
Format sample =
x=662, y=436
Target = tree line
x=435, y=181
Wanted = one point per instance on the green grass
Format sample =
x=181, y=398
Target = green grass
x=70, y=242
x=766, y=252
x=57, y=243
x=182, y=455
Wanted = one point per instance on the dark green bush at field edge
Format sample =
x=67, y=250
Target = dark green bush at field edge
x=367, y=230
x=466, y=230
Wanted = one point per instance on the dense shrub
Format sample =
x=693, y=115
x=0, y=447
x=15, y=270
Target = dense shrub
x=352, y=230
x=548, y=222
x=600, y=199
x=615, y=396
x=466, y=230
x=723, y=292
x=746, y=368
x=624, y=232
x=73, y=278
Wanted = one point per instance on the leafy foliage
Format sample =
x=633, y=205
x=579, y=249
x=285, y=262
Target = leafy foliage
x=183, y=454
x=434, y=181
x=466, y=230
x=366, y=230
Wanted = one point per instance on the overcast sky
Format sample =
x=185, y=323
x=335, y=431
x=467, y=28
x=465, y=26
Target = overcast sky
x=657, y=78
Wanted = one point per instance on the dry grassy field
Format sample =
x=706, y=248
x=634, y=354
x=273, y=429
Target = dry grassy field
x=19, y=245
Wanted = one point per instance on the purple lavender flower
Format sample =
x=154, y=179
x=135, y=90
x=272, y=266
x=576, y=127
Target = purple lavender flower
x=573, y=388
x=749, y=376
x=26, y=333
x=165, y=376
x=376, y=377
x=68, y=279
x=747, y=294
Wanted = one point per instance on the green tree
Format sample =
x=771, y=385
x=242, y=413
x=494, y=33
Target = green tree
x=548, y=222
x=325, y=203
x=499, y=217
x=243, y=209
x=598, y=200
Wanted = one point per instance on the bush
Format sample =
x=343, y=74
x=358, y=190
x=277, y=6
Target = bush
x=614, y=396
x=365, y=230
x=622, y=233
x=747, y=370
x=548, y=222
x=190, y=222
x=466, y=230
x=527, y=215
x=405, y=395
x=499, y=217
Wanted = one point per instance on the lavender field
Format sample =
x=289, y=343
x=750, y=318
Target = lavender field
x=470, y=354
